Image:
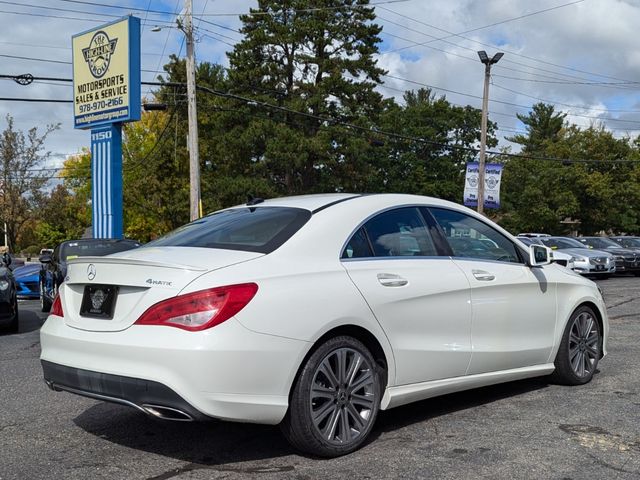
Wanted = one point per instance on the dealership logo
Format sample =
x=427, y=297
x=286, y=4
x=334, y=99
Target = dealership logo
x=98, y=53
x=91, y=271
x=97, y=299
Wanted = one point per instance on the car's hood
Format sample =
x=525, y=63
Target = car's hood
x=627, y=252
x=143, y=277
x=27, y=270
x=584, y=252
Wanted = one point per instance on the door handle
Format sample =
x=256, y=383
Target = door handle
x=483, y=276
x=392, y=280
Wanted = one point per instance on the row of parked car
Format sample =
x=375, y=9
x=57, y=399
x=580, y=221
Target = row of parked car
x=41, y=280
x=593, y=256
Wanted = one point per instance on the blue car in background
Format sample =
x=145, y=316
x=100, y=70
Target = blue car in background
x=27, y=278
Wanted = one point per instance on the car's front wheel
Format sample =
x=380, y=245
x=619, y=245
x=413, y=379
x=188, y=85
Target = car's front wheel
x=335, y=400
x=580, y=349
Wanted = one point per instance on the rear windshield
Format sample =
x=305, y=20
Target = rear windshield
x=95, y=248
x=253, y=229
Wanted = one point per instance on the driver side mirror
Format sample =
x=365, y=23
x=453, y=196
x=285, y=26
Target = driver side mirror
x=46, y=258
x=539, y=255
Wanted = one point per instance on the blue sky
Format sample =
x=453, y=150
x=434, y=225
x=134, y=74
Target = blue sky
x=581, y=56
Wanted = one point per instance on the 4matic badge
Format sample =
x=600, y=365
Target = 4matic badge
x=98, y=53
x=162, y=283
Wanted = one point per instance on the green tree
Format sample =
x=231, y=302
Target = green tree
x=542, y=123
x=305, y=59
x=22, y=178
x=436, y=165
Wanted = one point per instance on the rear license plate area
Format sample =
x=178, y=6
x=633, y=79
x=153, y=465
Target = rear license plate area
x=99, y=301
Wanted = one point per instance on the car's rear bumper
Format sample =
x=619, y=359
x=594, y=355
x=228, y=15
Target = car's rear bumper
x=228, y=372
x=152, y=398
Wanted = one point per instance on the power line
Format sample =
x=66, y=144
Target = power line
x=257, y=12
x=490, y=25
x=511, y=104
x=581, y=107
x=510, y=52
x=335, y=121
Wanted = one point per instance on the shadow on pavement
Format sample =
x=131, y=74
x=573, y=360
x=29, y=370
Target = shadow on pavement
x=216, y=444
x=29, y=317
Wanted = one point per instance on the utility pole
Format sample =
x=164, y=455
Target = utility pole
x=483, y=128
x=194, y=157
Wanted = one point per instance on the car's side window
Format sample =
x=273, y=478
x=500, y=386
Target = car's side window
x=471, y=238
x=358, y=246
x=394, y=233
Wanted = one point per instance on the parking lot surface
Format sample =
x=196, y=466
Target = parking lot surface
x=527, y=429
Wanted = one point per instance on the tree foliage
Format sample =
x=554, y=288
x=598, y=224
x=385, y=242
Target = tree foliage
x=22, y=177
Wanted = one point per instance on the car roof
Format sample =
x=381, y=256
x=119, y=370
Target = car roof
x=317, y=202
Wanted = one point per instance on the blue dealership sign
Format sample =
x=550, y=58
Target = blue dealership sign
x=106, y=93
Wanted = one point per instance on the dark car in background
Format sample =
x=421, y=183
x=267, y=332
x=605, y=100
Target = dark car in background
x=27, y=279
x=54, y=266
x=627, y=241
x=627, y=260
x=8, y=299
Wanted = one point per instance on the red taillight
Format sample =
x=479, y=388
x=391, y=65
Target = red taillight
x=56, y=307
x=200, y=310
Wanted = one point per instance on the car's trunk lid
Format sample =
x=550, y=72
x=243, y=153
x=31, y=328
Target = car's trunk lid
x=137, y=279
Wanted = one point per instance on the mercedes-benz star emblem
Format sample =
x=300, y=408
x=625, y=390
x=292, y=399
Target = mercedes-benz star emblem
x=91, y=271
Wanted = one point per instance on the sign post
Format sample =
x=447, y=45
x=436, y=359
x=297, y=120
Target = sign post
x=106, y=92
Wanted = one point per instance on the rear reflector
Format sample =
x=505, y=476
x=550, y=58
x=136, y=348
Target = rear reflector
x=200, y=310
x=56, y=307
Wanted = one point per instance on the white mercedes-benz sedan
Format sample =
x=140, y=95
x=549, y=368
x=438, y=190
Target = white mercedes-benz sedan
x=315, y=312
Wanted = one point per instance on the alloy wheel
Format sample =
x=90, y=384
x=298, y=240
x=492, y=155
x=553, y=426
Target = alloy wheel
x=343, y=396
x=584, y=345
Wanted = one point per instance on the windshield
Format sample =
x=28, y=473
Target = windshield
x=253, y=229
x=94, y=248
x=599, y=243
x=630, y=242
x=558, y=242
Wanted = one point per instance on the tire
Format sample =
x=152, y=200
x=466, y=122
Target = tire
x=14, y=325
x=580, y=349
x=332, y=413
x=45, y=303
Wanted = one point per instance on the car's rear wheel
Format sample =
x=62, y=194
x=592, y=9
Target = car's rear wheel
x=45, y=303
x=335, y=400
x=580, y=349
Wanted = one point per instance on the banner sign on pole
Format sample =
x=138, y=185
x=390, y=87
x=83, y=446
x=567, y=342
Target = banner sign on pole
x=492, y=180
x=106, y=74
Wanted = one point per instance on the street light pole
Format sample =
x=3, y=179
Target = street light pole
x=483, y=127
x=194, y=160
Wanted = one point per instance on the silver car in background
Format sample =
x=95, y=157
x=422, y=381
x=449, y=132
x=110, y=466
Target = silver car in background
x=560, y=258
x=586, y=261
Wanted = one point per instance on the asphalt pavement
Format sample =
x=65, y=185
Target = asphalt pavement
x=528, y=429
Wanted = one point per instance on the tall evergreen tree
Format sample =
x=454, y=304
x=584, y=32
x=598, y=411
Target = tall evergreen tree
x=314, y=57
x=543, y=124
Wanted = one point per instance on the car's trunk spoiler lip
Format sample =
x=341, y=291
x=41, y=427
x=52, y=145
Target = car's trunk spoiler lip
x=134, y=261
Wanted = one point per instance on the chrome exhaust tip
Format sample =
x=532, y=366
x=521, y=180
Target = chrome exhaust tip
x=167, y=413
